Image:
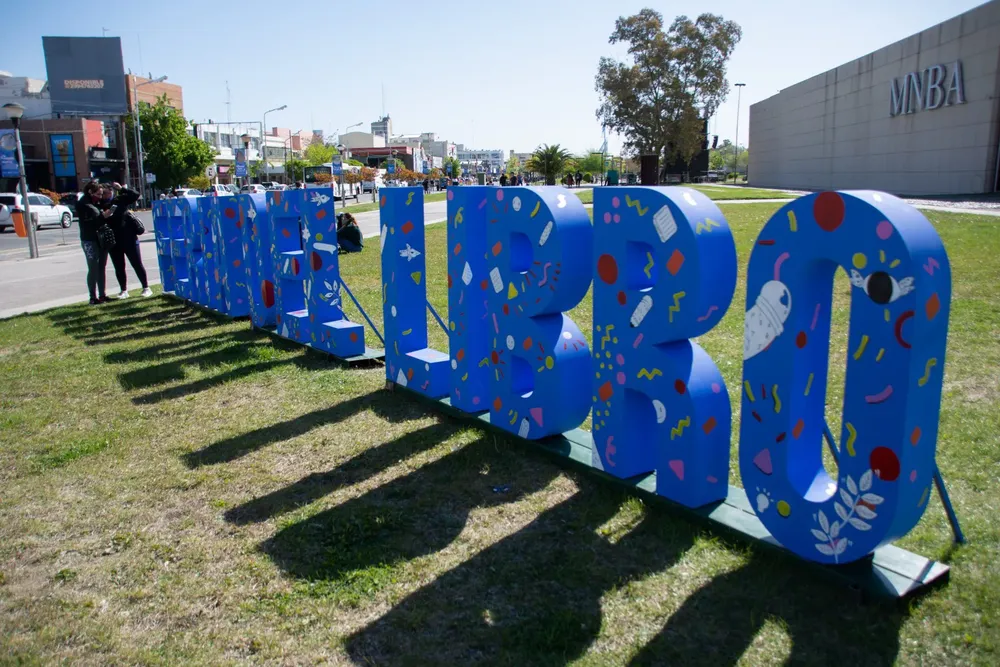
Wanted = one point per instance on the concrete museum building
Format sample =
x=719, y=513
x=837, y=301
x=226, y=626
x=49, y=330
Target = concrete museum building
x=918, y=117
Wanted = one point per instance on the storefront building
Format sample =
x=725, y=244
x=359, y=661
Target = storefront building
x=918, y=117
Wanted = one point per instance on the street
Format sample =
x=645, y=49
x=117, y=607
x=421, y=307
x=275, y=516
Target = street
x=59, y=276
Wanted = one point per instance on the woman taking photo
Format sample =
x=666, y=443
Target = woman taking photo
x=119, y=200
x=91, y=219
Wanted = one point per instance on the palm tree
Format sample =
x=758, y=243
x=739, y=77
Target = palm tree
x=549, y=161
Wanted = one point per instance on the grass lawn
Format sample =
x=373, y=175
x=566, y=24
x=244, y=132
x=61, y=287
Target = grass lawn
x=715, y=193
x=176, y=488
x=373, y=206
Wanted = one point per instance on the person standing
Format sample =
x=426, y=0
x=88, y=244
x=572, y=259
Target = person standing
x=503, y=180
x=119, y=200
x=579, y=178
x=91, y=217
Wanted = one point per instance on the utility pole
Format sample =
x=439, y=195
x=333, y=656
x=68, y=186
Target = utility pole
x=736, y=146
x=14, y=112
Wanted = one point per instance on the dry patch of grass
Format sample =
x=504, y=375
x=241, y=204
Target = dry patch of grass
x=177, y=488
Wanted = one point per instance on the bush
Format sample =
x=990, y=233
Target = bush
x=51, y=195
x=199, y=182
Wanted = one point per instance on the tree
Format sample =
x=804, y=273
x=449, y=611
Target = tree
x=591, y=162
x=169, y=151
x=513, y=165
x=677, y=78
x=318, y=153
x=295, y=168
x=722, y=158
x=549, y=161
x=456, y=168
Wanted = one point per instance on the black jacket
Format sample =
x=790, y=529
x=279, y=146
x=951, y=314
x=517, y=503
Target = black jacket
x=124, y=233
x=90, y=218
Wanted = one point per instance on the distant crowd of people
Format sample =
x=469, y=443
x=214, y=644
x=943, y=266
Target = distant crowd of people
x=108, y=228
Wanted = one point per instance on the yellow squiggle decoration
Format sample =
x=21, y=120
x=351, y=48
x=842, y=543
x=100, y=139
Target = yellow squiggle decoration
x=777, y=400
x=852, y=435
x=792, y=222
x=706, y=226
x=878, y=357
x=861, y=348
x=534, y=211
x=679, y=429
x=644, y=373
x=459, y=218
x=677, y=305
x=809, y=383
x=649, y=266
x=409, y=199
x=746, y=387
x=484, y=362
x=634, y=203
x=931, y=363
x=607, y=335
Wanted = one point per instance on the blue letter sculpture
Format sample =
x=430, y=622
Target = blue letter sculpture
x=467, y=297
x=666, y=271
x=257, y=257
x=538, y=265
x=409, y=362
x=898, y=329
x=231, y=262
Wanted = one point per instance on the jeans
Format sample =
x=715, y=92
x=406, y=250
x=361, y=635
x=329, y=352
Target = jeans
x=118, y=254
x=97, y=262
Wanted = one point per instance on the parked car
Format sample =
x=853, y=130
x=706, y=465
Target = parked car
x=70, y=199
x=278, y=186
x=218, y=190
x=253, y=189
x=187, y=192
x=44, y=209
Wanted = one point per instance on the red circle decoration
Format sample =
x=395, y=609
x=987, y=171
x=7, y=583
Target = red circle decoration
x=622, y=298
x=315, y=261
x=828, y=209
x=267, y=293
x=801, y=339
x=607, y=269
x=679, y=386
x=229, y=213
x=885, y=464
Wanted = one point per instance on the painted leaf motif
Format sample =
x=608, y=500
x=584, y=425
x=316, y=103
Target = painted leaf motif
x=841, y=512
x=859, y=524
x=872, y=498
x=851, y=486
x=834, y=529
x=824, y=523
x=846, y=497
x=866, y=480
x=819, y=535
x=825, y=549
x=864, y=512
x=841, y=547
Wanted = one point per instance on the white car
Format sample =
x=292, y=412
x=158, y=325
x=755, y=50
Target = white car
x=187, y=192
x=218, y=190
x=253, y=189
x=43, y=209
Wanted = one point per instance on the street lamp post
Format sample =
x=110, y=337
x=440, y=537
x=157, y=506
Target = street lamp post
x=246, y=157
x=262, y=129
x=14, y=112
x=736, y=147
x=138, y=131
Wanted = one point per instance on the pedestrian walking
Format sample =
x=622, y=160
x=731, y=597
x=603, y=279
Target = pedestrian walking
x=579, y=178
x=503, y=180
x=126, y=228
x=91, y=219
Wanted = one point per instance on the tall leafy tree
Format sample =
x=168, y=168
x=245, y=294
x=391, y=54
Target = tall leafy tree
x=590, y=162
x=456, y=168
x=168, y=150
x=675, y=78
x=318, y=153
x=513, y=165
x=295, y=167
x=549, y=161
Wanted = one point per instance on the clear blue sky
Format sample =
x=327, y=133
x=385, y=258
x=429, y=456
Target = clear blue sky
x=509, y=74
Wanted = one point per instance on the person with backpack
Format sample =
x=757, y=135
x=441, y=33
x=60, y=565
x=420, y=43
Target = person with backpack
x=127, y=228
x=91, y=220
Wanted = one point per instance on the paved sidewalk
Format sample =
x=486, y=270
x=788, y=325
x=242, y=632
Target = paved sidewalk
x=60, y=278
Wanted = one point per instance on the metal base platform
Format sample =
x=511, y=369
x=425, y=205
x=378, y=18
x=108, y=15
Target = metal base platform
x=890, y=573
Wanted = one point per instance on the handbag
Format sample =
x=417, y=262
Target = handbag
x=133, y=221
x=106, y=236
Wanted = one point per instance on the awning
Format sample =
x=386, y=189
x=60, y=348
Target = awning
x=223, y=168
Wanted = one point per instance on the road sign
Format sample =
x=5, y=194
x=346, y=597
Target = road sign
x=150, y=178
x=338, y=165
x=210, y=172
x=391, y=167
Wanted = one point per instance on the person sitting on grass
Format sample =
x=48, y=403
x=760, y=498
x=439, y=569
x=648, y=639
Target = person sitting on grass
x=349, y=234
